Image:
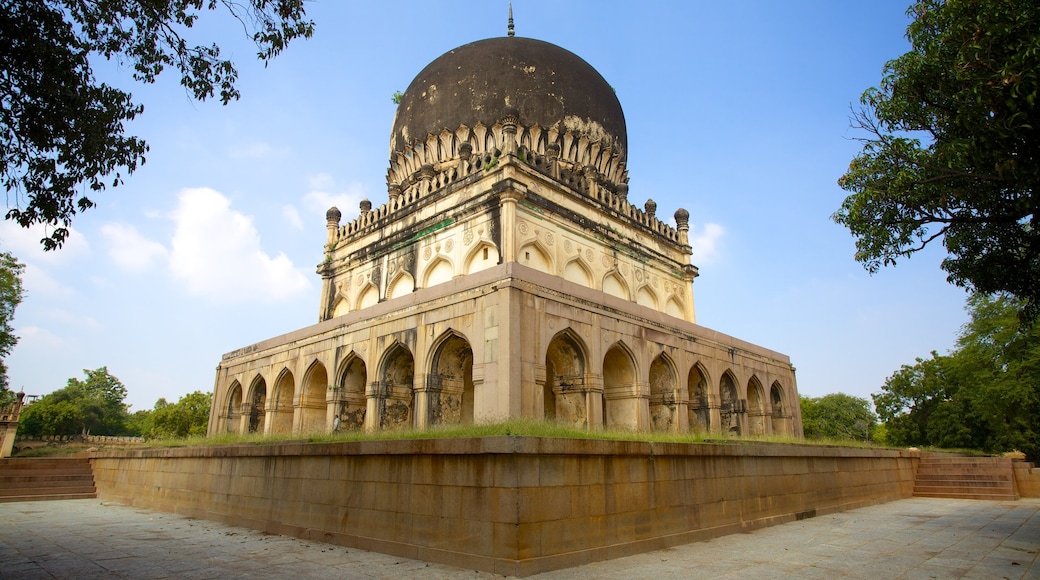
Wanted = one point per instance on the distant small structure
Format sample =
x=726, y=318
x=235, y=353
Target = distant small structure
x=507, y=275
x=9, y=424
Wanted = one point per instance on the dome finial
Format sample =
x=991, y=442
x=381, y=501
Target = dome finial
x=512, y=32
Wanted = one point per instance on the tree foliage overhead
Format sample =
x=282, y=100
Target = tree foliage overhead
x=11, y=293
x=952, y=150
x=984, y=395
x=837, y=416
x=62, y=135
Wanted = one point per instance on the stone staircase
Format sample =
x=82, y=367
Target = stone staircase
x=965, y=477
x=36, y=479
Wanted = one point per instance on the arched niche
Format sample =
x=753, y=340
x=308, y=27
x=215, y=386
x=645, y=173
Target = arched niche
x=396, y=388
x=729, y=404
x=620, y=400
x=233, y=407
x=369, y=297
x=402, y=285
x=615, y=286
x=781, y=416
x=282, y=403
x=576, y=271
x=674, y=308
x=257, y=405
x=646, y=297
x=756, y=408
x=699, y=407
x=312, y=404
x=533, y=256
x=353, y=404
x=438, y=272
x=451, y=382
x=663, y=407
x=564, y=388
x=483, y=256
x=340, y=308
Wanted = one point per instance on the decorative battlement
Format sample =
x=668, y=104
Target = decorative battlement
x=593, y=169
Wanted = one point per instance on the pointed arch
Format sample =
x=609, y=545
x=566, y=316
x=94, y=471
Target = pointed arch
x=615, y=285
x=756, y=408
x=675, y=308
x=533, y=255
x=663, y=385
x=451, y=380
x=778, y=409
x=483, y=256
x=729, y=404
x=438, y=272
x=257, y=399
x=645, y=296
x=563, y=392
x=312, y=408
x=353, y=403
x=699, y=406
x=340, y=307
x=368, y=296
x=402, y=285
x=578, y=272
x=396, y=387
x=233, y=408
x=620, y=389
x=282, y=402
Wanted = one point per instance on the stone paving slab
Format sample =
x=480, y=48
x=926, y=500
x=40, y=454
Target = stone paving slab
x=908, y=539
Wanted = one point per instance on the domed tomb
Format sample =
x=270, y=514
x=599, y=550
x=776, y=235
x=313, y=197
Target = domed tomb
x=547, y=91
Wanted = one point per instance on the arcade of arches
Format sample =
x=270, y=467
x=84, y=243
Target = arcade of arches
x=652, y=388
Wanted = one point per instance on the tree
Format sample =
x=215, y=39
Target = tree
x=985, y=394
x=188, y=417
x=91, y=406
x=953, y=149
x=837, y=416
x=11, y=293
x=61, y=131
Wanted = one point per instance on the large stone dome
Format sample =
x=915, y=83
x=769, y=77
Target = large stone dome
x=483, y=81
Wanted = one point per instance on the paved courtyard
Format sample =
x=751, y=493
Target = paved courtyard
x=913, y=538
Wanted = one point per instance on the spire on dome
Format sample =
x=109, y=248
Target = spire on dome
x=512, y=32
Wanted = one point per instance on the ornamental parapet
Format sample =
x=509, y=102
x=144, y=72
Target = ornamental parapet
x=593, y=169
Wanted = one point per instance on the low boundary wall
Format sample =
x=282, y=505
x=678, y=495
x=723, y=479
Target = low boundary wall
x=509, y=505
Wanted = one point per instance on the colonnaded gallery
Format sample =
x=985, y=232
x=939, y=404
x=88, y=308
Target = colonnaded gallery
x=507, y=275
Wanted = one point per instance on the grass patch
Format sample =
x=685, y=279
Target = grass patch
x=509, y=428
x=52, y=451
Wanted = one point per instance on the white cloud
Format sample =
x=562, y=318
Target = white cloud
x=67, y=318
x=24, y=244
x=130, y=249
x=704, y=242
x=38, y=282
x=292, y=216
x=216, y=252
x=37, y=337
x=323, y=195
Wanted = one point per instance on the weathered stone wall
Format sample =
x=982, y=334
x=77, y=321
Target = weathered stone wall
x=508, y=505
x=1027, y=479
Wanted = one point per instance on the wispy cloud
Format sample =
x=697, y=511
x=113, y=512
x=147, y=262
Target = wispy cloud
x=130, y=249
x=257, y=150
x=67, y=318
x=292, y=216
x=704, y=241
x=325, y=193
x=24, y=244
x=216, y=252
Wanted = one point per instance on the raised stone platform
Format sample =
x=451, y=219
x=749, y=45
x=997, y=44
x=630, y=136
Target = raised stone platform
x=509, y=505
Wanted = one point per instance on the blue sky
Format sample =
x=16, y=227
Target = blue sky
x=736, y=111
